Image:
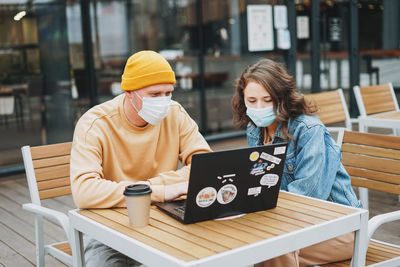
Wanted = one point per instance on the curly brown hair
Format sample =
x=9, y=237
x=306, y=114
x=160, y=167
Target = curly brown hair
x=287, y=101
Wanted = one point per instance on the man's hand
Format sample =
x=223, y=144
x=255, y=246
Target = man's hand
x=173, y=191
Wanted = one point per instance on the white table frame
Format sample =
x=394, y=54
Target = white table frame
x=242, y=256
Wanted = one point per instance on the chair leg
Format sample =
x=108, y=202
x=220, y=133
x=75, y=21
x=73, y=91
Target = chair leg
x=39, y=234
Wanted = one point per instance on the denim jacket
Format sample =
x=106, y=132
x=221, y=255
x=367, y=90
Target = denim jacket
x=313, y=165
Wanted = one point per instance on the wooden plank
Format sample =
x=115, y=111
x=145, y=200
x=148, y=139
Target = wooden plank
x=195, y=229
x=64, y=247
x=246, y=224
x=153, y=232
x=49, y=184
x=317, y=203
x=373, y=175
x=183, y=234
x=381, y=253
x=377, y=98
x=370, y=139
x=55, y=192
x=390, y=249
x=47, y=162
x=18, y=191
x=9, y=257
x=371, y=163
x=296, y=215
x=138, y=236
x=224, y=228
x=24, y=247
x=330, y=107
x=371, y=151
x=375, y=185
x=47, y=151
x=322, y=213
x=283, y=219
x=52, y=172
x=23, y=228
x=267, y=224
x=23, y=222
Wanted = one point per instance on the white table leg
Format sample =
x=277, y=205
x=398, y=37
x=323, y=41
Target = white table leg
x=78, y=259
x=360, y=242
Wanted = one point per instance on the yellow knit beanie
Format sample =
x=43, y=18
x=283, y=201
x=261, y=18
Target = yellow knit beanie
x=146, y=68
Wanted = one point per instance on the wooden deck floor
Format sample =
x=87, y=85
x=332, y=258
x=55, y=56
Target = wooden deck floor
x=17, y=238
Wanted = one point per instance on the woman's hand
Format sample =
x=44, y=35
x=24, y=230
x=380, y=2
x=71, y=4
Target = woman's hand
x=173, y=191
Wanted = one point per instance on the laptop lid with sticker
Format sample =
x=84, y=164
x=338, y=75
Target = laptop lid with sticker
x=231, y=182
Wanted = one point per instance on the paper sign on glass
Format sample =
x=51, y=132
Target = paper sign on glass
x=280, y=17
x=303, y=31
x=259, y=28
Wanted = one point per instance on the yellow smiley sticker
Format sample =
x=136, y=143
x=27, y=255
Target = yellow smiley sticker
x=254, y=156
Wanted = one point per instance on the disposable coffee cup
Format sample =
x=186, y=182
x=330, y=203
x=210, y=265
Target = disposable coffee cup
x=138, y=204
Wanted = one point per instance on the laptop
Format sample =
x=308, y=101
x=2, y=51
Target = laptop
x=230, y=182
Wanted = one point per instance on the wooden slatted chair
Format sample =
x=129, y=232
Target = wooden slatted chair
x=47, y=172
x=332, y=108
x=373, y=161
x=376, y=105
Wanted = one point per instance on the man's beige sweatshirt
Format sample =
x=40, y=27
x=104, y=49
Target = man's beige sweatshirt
x=109, y=153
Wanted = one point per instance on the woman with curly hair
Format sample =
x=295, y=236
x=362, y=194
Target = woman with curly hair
x=268, y=105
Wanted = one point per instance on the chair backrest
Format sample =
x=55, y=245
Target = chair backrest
x=372, y=160
x=332, y=107
x=47, y=170
x=375, y=99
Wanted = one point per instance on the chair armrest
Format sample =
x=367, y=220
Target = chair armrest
x=340, y=133
x=57, y=216
x=337, y=129
x=378, y=220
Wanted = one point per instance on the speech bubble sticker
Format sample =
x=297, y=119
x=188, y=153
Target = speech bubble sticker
x=206, y=197
x=279, y=150
x=269, y=180
x=226, y=194
x=270, y=158
x=254, y=156
x=254, y=191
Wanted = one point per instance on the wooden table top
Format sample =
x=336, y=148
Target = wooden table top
x=203, y=239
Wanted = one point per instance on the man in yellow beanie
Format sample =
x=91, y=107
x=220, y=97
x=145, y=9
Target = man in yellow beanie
x=137, y=137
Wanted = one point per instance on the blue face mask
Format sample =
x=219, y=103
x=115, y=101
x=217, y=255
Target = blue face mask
x=262, y=117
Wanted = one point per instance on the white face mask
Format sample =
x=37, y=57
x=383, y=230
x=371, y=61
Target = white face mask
x=262, y=117
x=154, y=109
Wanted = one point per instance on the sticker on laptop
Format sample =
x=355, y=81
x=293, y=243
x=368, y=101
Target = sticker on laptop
x=254, y=191
x=226, y=194
x=259, y=167
x=206, y=197
x=254, y=156
x=270, y=158
x=279, y=150
x=271, y=167
x=226, y=177
x=269, y=180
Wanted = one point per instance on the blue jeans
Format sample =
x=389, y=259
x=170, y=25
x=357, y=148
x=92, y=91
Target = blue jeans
x=99, y=255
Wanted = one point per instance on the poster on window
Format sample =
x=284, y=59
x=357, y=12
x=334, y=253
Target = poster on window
x=260, y=32
x=303, y=25
x=280, y=17
x=283, y=38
